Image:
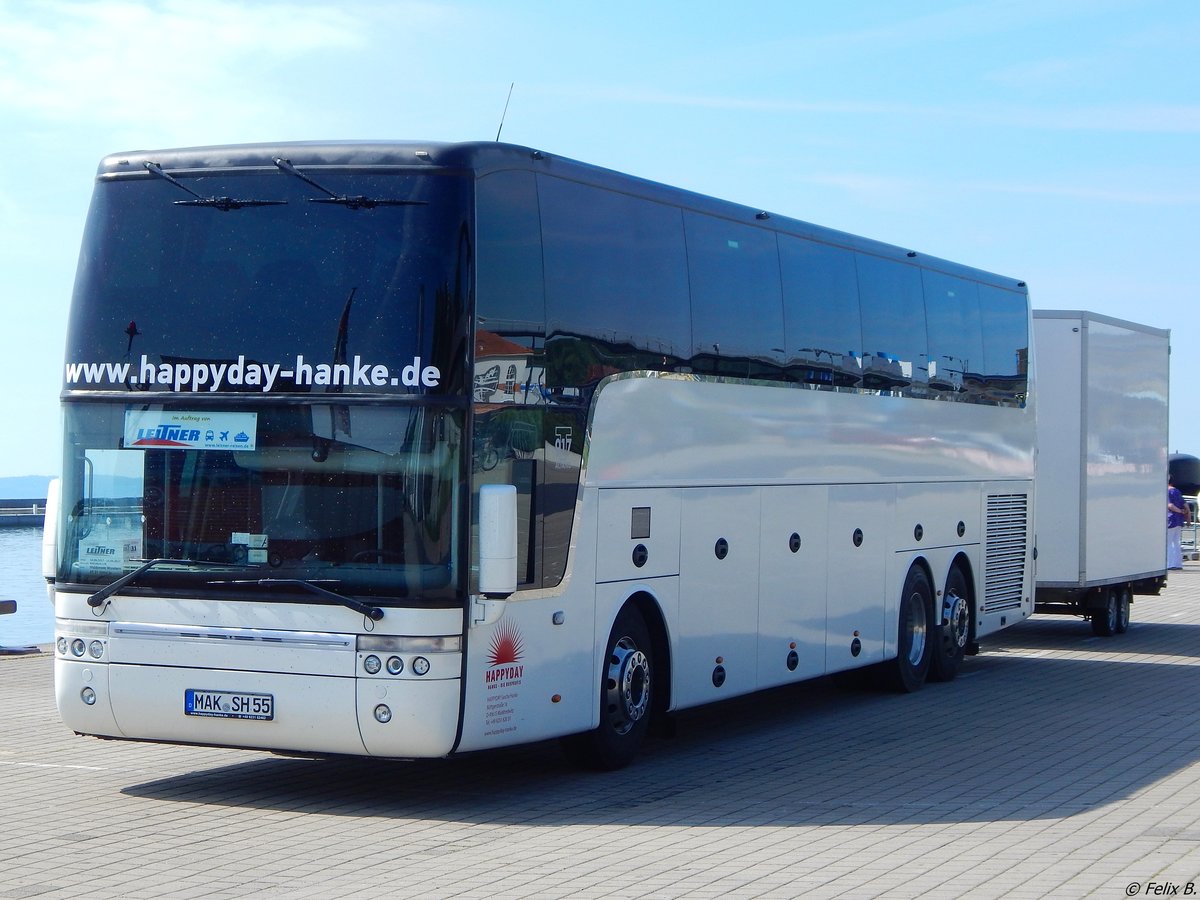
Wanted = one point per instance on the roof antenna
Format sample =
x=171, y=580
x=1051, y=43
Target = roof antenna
x=505, y=113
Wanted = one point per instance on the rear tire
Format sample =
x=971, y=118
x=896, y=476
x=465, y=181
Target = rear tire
x=1105, y=620
x=1123, y=603
x=952, y=633
x=626, y=699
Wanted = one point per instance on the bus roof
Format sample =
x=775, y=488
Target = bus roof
x=484, y=157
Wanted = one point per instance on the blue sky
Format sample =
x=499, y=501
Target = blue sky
x=1055, y=142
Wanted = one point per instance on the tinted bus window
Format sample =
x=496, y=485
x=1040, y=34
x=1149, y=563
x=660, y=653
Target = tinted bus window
x=893, y=319
x=515, y=422
x=737, y=302
x=1004, y=317
x=955, y=334
x=510, y=298
x=823, y=326
x=616, y=284
x=305, y=288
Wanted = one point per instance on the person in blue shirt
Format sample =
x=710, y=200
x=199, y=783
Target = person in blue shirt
x=1176, y=513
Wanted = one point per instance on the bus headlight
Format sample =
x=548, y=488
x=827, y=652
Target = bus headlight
x=88, y=696
x=96, y=649
x=383, y=714
x=372, y=664
x=62, y=646
x=77, y=647
x=420, y=665
x=395, y=665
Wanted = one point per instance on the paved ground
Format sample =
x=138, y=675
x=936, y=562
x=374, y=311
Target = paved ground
x=1059, y=764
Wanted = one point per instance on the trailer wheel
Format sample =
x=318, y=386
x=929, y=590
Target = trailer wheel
x=1123, y=602
x=907, y=672
x=1104, y=621
x=952, y=629
x=626, y=699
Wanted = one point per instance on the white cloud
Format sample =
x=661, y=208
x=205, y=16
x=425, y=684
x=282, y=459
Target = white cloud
x=1041, y=73
x=1140, y=118
x=883, y=189
x=175, y=67
x=115, y=63
x=1103, y=194
x=1136, y=118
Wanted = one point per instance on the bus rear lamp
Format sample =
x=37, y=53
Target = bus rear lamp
x=383, y=714
x=372, y=664
x=88, y=696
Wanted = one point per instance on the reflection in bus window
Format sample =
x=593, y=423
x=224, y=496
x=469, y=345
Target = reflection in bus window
x=737, y=305
x=955, y=336
x=1004, y=317
x=616, y=284
x=894, y=343
x=824, y=328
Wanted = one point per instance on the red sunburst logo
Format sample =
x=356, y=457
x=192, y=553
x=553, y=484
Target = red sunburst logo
x=506, y=647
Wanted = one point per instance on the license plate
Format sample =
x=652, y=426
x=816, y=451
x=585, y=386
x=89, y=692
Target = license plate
x=228, y=704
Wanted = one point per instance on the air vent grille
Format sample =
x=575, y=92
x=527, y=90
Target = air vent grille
x=1005, y=555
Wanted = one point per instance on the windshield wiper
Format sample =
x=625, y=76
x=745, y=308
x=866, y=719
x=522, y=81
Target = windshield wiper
x=356, y=202
x=374, y=613
x=224, y=204
x=98, y=598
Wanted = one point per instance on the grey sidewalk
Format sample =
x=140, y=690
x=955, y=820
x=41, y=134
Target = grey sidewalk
x=1058, y=764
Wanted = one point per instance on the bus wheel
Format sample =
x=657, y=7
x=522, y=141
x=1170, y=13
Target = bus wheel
x=907, y=671
x=1123, y=602
x=626, y=694
x=1104, y=621
x=952, y=632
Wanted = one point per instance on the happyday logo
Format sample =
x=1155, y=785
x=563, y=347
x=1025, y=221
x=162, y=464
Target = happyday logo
x=505, y=652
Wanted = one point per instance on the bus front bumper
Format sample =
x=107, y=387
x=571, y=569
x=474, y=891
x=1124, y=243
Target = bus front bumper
x=303, y=713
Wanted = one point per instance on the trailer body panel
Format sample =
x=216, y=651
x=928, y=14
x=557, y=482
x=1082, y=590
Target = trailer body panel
x=1102, y=451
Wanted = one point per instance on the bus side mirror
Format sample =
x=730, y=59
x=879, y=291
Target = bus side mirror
x=50, y=536
x=497, y=540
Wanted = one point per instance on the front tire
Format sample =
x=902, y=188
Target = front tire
x=626, y=699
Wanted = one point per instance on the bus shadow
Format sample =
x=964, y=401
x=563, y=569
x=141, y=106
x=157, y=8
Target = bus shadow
x=1017, y=737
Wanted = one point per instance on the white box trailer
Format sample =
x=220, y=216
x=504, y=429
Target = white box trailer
x=1101, y=514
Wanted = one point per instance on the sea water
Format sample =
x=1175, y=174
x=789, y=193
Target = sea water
x=21, y=580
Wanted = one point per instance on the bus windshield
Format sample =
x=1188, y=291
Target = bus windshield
x=297, y=296
x=266, y=373
x=361, y=499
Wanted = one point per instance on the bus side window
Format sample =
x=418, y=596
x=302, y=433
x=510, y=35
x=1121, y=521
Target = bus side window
x=508, y=386
x=624, y=262
x=955, y=333
x=737, y=300
x=893, y=318
x=824, y=326
x=1004, y=317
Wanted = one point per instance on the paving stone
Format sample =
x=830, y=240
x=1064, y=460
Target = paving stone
x=1058, y=763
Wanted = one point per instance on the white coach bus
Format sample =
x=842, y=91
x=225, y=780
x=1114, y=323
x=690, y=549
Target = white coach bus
x=408, y=449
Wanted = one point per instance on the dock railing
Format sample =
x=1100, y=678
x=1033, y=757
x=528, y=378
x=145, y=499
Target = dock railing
x=1189, y=541
x=23, y=512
